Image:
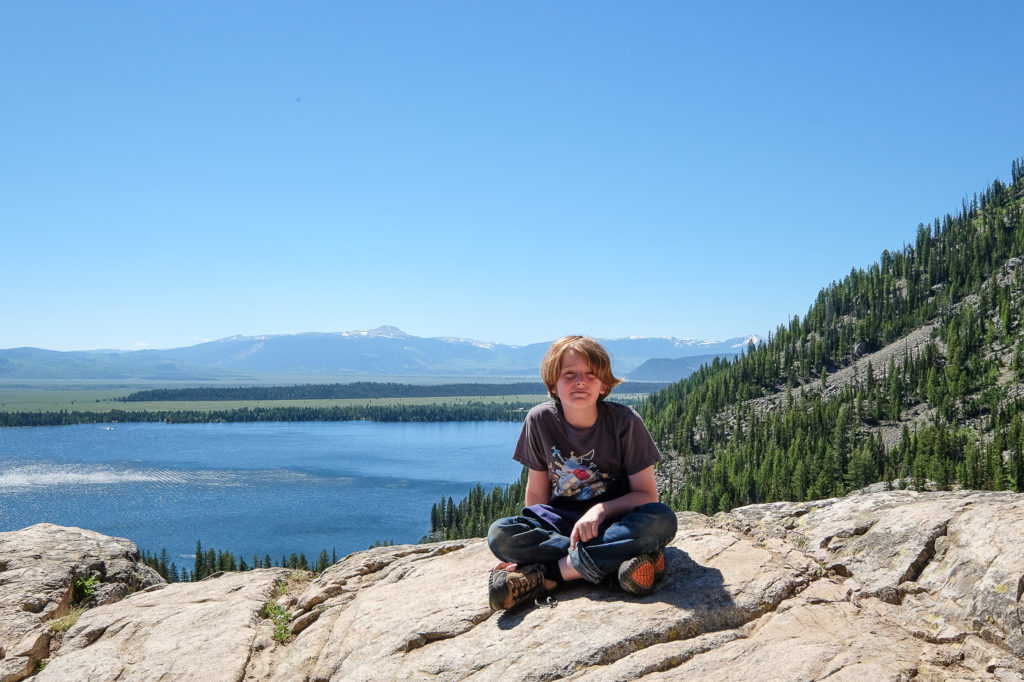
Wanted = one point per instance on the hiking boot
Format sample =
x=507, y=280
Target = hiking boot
x=510, y=585
x=659, y=564
x=639, y=574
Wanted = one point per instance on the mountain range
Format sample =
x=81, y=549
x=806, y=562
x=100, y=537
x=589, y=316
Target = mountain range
x=384, y=351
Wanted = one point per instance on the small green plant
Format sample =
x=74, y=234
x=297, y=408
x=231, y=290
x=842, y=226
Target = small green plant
x=84, y=588
x=279, y=615
x=64, y=623
x=280, y=589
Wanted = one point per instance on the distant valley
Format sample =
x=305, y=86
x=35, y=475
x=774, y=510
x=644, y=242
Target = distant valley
x=381, y=352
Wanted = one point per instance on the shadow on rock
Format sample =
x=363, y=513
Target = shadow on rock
x=686, y=585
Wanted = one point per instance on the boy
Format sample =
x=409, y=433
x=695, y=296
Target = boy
x=592, y=505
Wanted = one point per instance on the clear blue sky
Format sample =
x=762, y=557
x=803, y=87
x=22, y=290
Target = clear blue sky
x=176, y=172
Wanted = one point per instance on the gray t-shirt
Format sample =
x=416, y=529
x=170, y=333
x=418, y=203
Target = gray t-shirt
x=586, y=466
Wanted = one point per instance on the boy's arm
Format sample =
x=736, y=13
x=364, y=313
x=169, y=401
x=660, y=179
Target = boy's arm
x=642, y=489
x=538, y=487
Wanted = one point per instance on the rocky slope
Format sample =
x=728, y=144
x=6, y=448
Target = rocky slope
x=893, y=585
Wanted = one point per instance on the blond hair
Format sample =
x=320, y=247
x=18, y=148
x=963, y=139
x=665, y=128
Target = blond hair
x=587, y=348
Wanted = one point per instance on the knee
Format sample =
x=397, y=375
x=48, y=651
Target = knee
x=500, y=532
x=661, y=521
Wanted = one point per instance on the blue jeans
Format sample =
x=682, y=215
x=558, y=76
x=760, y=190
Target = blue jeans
x=527, y=540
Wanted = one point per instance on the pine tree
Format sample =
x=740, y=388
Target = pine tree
x=199, y=570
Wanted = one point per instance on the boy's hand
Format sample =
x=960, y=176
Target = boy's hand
x=588, y=526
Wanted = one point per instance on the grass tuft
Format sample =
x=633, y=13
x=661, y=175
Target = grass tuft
x=64, y=624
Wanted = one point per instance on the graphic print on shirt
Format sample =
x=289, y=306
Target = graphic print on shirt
x=576, y=475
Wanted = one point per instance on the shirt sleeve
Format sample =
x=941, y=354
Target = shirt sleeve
x=529, y=450
x=639, y=450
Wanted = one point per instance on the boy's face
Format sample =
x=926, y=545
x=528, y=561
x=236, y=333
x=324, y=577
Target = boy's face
x=578, y=387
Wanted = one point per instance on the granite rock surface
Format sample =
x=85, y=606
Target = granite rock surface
x=894, y=585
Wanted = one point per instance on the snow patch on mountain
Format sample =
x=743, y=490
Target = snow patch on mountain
x=382, y=332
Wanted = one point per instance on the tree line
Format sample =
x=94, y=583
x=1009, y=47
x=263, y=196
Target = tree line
x=357, y=390
x=441, y=412
x=471, y=516
x=210, y=561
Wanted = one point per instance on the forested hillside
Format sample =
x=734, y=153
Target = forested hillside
x=908, y=371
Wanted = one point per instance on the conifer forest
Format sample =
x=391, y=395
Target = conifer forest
x=907, y=373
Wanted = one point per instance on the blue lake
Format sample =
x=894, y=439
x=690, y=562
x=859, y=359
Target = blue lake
x=269, y=488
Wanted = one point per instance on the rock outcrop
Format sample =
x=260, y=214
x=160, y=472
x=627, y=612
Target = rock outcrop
x=883, y=586
x=39, y=569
